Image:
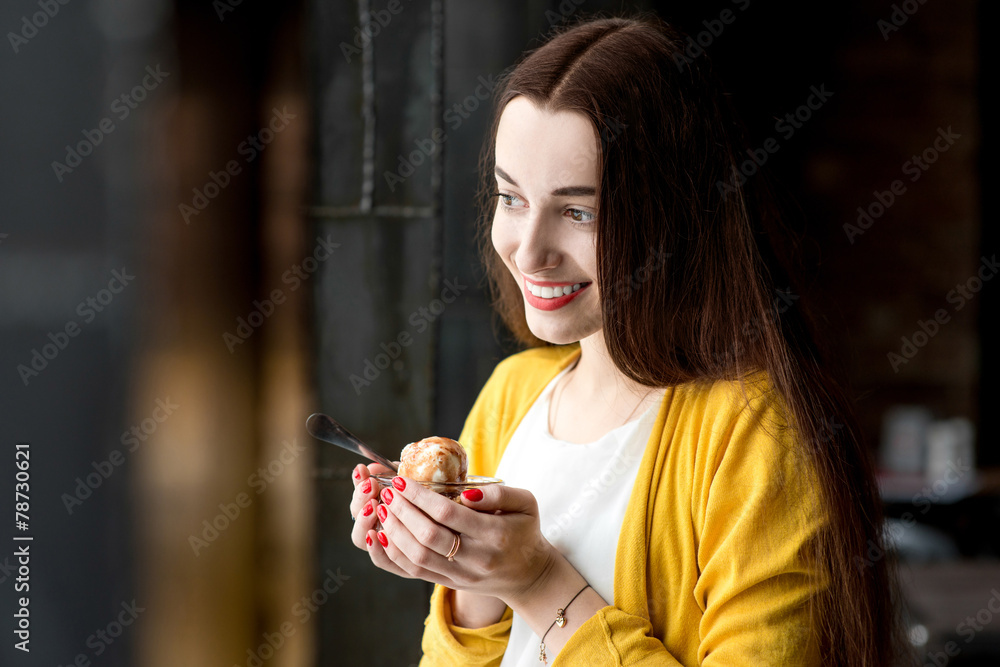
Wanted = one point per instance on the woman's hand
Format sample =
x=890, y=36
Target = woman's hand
x=502, y=551
x=364, y=503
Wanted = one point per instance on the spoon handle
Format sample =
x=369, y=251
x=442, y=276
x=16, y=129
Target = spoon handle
x=329, y=430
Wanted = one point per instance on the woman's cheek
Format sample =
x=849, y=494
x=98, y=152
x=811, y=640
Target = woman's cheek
x=502, y=241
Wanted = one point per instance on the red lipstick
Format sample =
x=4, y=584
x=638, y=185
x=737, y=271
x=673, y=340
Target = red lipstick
x=550, y=304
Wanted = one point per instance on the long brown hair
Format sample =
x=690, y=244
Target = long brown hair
x=691, y=284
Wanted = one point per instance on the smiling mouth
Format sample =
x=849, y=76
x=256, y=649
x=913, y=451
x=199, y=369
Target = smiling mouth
x=551, y=296
x=549, y=291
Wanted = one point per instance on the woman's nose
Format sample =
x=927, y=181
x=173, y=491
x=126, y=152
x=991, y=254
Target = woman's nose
x=538, y=246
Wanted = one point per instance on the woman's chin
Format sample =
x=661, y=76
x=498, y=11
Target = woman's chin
x=559, y=335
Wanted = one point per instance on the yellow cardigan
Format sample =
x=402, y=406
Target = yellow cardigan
x=713, y=561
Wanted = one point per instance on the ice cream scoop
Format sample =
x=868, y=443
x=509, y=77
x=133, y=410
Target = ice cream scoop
x=434, y=459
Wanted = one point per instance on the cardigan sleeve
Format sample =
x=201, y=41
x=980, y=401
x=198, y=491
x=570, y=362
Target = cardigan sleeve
x=445, y=644
x=756, y=510
x=761, y=509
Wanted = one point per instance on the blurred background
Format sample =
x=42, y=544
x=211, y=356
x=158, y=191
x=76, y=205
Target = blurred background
x=220, y=217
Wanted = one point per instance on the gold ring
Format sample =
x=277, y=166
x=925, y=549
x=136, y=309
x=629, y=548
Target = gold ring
x=454, y=547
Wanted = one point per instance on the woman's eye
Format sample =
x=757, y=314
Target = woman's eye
x=580, y=216
x=510, y=201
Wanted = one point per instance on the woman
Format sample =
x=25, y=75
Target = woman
x=684, y=484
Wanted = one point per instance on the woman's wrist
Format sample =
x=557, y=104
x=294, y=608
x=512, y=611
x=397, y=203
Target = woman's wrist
x=470, y=610
x=552, y=591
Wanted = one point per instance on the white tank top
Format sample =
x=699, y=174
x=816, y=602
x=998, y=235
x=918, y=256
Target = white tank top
x=582, y=491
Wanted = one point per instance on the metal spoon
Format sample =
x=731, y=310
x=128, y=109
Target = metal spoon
x=327, y=429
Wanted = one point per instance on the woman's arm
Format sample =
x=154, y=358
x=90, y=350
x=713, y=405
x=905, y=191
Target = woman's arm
x=469, y=610
x=561, y=586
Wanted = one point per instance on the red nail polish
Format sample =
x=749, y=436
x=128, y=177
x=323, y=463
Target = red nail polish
x=366, y=486
x=382, y=513
x=387, y=496
x=472, y=494
x=368, y=540
x=367, y=510
x=399, y=483
x=357, y=474
x=383, y=539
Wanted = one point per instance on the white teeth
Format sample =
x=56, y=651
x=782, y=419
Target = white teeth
x=552, y=292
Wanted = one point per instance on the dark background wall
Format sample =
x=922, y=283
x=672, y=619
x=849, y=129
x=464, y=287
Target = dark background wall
x=61, y=237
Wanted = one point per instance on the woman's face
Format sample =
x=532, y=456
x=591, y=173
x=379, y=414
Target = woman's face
x=544, y=227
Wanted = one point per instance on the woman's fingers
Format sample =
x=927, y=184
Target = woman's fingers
x=364, y=522
x=500, y=498
x=359, y=474
x=379, y=557
x=386, y=554
x=485, y=501
x=362, y=472
x=440, y=509
x=416, y=535
x=364, y=492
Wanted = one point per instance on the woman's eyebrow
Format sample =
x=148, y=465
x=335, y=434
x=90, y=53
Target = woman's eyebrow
x=568, y=191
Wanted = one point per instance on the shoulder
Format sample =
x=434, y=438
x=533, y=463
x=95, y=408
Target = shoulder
x=722, y=404
x=741, y=433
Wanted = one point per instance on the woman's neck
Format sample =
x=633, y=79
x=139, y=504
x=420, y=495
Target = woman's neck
x=594, y=397
x=596, y=375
